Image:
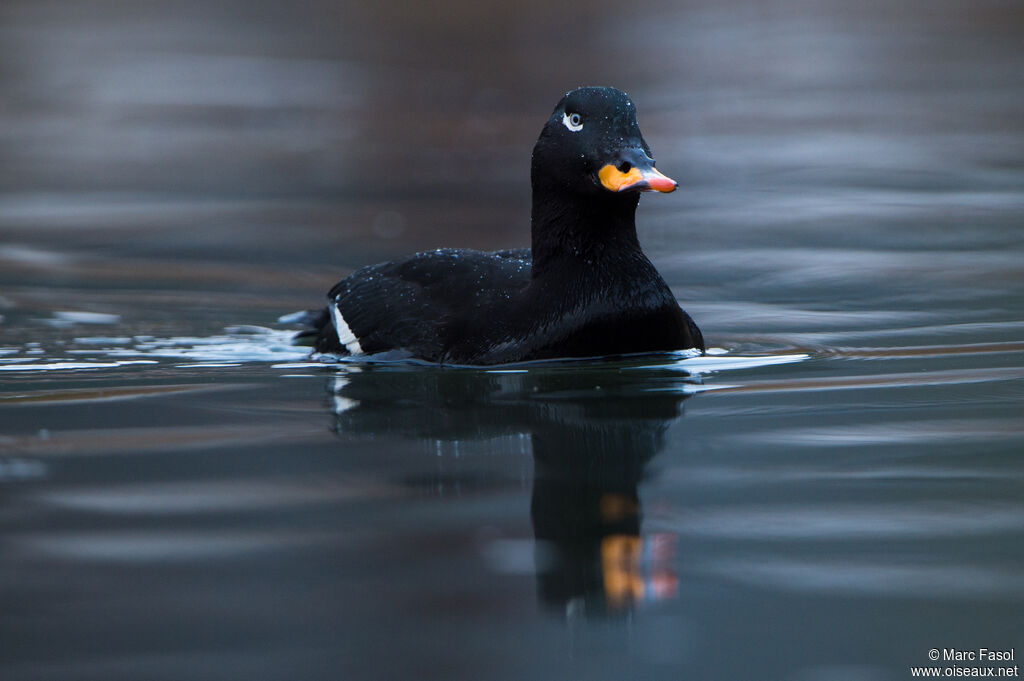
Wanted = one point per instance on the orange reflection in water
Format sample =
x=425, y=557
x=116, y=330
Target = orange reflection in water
x=637, y=568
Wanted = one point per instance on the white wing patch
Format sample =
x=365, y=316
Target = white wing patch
x=345, y=335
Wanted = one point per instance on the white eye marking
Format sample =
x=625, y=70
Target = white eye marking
x=573, y=121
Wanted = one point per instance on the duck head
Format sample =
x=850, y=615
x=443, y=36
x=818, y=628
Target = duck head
x=592, y=146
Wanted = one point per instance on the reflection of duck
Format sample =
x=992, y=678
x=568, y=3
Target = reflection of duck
x=583, y=289
x=592, y=429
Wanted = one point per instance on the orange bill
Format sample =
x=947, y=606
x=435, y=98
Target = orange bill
x=648, y=179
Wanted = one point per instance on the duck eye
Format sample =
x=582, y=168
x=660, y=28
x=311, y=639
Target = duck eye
x=573, y=121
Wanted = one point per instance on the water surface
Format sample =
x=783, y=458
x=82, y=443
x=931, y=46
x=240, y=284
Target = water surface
x=833, y=491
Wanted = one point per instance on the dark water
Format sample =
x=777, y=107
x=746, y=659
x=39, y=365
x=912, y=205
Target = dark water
x=835, y=490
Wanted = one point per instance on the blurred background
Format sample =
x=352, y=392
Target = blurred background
x=180, y=502
x=316, y=136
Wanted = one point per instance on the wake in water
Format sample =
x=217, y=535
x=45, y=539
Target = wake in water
x=235, y=347
x=242, y=345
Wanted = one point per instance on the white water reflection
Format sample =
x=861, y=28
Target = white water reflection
x=26, y=365
x=239, y=346
x=235, y=347
x=907, y=432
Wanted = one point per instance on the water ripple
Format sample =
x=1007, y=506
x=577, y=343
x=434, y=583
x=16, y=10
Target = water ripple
x=847, y=522
x=883, y=577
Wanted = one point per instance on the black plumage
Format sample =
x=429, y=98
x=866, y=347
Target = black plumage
x=583, y=289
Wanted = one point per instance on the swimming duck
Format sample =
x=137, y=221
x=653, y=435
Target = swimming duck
x=583, y=289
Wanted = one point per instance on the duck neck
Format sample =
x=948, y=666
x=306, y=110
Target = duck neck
x=585, y=230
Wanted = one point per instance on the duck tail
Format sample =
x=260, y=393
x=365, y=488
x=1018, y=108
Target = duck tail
x=315, y=327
